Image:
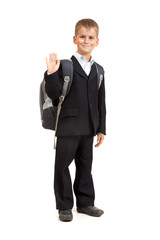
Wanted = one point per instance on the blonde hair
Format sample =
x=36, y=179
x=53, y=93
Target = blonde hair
x=87, y=23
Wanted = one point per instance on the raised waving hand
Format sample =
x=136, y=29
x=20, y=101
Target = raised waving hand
x=53, y=63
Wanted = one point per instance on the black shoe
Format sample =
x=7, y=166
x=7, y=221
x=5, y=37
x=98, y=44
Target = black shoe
x=91, y=211
x=65, y=215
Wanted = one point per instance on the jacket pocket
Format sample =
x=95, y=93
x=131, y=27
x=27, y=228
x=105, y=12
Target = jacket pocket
x=69, y=112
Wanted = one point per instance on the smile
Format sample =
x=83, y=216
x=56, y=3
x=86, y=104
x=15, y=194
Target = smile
x=85, y=46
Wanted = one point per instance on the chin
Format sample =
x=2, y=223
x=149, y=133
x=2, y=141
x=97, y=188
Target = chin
x=84, y=51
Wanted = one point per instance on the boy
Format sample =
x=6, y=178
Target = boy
x=82, y=117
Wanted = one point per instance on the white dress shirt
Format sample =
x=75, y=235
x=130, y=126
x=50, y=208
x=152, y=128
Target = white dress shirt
x=83, y=62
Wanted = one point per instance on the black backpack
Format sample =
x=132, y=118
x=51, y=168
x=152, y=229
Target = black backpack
x=49, y=112
x=47, y=109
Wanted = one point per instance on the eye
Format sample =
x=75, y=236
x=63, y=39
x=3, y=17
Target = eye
x=91, y=38
x=82, y=36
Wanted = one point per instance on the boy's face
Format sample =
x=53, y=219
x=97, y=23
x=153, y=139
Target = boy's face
x=86, y=40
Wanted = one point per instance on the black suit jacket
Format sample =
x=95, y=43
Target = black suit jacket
x=83, y=110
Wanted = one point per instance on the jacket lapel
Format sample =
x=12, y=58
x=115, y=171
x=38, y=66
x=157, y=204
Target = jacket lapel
x=77, y=68
x=93, y=72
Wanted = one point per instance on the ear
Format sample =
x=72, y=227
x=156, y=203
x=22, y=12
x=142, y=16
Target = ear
x=74, y=40
x=97, y=42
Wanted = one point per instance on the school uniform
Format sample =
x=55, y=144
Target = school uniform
x=82, y=117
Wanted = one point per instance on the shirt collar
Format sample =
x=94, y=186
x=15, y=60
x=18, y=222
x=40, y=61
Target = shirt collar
x=82, y=59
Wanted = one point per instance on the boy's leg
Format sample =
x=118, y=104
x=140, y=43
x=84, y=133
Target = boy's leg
x=65, y=153
x=83, y=185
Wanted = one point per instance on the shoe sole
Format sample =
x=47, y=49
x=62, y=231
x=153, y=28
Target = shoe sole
x=90, y=214
x=66, y=219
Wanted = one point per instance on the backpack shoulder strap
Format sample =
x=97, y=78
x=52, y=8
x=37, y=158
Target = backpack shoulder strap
x=100, y=74
x=67, y=73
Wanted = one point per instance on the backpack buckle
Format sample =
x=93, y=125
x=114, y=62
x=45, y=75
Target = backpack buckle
x=66, y=78
x=101, y=77
x=61, y=98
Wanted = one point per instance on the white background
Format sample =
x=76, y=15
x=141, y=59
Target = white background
x=126, y=167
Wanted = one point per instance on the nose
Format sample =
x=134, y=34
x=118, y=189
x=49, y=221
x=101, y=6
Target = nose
x=86, y=40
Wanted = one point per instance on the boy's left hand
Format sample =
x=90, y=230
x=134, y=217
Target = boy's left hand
x=100, y=138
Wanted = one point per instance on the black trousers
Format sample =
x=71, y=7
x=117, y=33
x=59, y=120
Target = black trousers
x=79, y=148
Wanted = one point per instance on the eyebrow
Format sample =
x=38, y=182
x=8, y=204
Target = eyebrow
x=85, y=35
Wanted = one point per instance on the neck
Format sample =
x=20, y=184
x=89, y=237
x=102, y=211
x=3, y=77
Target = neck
x=86, y=56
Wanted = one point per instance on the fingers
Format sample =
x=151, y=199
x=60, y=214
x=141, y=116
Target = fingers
x=57, y=61
x=53, y=57
x=50, y=57
x=46, y=61
x=100, y=139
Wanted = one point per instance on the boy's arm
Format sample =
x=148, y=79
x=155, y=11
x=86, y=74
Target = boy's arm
x=102, y=115
x=52, y=77
x=102, y=109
